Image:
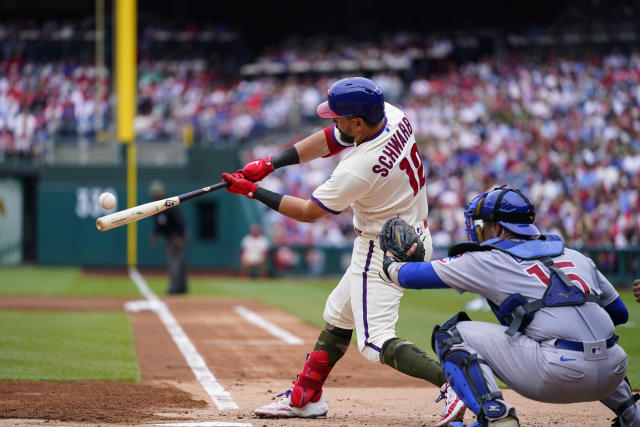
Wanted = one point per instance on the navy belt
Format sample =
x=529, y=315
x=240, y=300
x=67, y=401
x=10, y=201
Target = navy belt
x=578, y=346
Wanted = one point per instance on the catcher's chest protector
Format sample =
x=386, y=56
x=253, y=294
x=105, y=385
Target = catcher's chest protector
x=516, y=311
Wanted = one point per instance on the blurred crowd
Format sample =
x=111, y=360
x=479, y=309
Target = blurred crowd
x=564, y=129
x=38, y=101
x=566, y=132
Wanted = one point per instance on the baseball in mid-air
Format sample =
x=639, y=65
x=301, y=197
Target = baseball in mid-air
x=107, y=201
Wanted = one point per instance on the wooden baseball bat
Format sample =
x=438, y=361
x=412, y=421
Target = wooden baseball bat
x=136, y=213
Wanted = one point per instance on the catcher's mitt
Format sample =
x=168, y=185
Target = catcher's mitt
x=397, y=237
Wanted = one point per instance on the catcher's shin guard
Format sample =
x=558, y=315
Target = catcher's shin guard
x=464, y=373
x=628, y=412
x=308, y=385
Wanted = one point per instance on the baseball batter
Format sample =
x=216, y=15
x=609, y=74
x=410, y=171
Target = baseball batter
x=556, y=342
x=382, y=176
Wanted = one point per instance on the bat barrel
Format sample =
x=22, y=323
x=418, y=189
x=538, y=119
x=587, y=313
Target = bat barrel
x=136, y=213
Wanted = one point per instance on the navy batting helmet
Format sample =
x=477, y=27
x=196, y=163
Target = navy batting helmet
x=354, y=97
x=506, y=206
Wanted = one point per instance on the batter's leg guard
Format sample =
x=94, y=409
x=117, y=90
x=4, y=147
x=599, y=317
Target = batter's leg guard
x=308, y=385
x=464, y=373
x=335, y=341
x=410, y=359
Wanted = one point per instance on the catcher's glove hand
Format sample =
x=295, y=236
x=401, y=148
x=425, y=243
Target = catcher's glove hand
x=399, y=243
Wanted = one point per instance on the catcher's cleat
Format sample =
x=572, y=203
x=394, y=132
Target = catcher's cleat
x=282, y=408
x=507, y=421
x=454, y=407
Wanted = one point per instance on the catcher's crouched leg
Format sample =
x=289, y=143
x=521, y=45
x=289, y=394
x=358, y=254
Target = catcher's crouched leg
x=465, y=374
x=330, y=347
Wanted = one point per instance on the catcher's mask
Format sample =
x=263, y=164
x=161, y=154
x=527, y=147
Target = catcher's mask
x=506, y=206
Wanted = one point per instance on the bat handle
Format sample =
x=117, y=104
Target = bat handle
x=219, y=185
x=201, y=191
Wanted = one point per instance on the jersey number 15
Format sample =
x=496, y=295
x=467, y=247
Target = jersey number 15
x=537, y=271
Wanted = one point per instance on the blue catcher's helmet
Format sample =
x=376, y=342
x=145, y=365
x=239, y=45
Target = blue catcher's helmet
x=354, y=97
x=506, y=206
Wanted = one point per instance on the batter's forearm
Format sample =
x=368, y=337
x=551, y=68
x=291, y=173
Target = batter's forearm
x=300, y=209
x=290, y=206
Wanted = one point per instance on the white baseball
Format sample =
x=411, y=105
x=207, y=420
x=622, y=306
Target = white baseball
x=107, y=201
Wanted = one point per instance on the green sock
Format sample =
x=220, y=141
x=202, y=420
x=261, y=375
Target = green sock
x=410, y=359
x=334, y=341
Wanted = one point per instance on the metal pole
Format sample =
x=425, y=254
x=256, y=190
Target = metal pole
x=99, y=65
x=126, y=106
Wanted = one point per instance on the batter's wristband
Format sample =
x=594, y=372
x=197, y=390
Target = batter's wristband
x=269, y=198
x=285, y=158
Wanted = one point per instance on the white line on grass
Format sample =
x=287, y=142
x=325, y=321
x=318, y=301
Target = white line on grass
x=263, y=323
x=207, y=424
x=219, y=394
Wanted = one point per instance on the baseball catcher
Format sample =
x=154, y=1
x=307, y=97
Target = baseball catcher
x=556, y=340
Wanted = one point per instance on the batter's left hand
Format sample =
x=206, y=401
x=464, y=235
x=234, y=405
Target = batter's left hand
x=258, y=169
x=636, y=289
x=240, y=185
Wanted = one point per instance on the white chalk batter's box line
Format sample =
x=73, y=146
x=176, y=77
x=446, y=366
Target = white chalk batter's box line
x=207, y=424
x=245, y=342
x=263, y=323
x=205, y=377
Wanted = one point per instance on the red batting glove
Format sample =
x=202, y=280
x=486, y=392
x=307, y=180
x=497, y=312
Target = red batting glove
x=239, y=185
x=258, y=169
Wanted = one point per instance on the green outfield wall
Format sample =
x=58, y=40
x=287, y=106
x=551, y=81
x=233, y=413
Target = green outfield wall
x=48, y=213
x=66, y=205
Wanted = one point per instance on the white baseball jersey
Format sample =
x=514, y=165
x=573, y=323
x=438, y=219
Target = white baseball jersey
x=383, y=176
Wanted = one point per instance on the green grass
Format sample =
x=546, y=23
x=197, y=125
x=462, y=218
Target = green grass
x=66, y=346
x=41, y=281
x=304, y=298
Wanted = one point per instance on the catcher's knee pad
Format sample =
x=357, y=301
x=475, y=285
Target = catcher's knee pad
x=445, y=333
x=308, y=385
x=463, y=371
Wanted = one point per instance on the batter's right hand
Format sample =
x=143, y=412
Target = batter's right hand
x=239, y=185
x=258, y=169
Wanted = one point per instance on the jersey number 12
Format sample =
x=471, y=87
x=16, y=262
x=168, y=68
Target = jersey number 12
x=416, y=159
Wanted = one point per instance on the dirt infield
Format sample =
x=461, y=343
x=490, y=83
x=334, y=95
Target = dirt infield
x=251, y=364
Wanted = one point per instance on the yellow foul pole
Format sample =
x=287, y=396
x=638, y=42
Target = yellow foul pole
x=126, y=80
